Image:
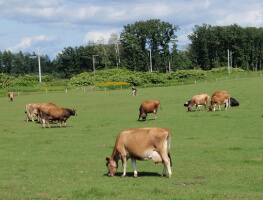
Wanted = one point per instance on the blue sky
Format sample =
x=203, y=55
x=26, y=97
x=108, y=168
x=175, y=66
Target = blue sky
x=51, y=25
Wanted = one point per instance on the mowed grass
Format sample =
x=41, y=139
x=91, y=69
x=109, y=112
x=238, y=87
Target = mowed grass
x=215, y=155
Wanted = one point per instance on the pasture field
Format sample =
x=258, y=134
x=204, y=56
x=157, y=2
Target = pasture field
x=215, y=155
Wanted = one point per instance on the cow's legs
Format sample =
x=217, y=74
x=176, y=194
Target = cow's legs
x=135, y=174
x=155, y=111
x=124, y=162
x=219, y=107
x=167, y=164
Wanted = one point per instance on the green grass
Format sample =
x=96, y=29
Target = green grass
x=216, y=155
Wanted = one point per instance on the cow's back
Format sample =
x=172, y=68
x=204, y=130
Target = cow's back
x=148, y=106
x=135, y=141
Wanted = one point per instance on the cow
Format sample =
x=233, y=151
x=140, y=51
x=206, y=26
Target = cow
x=43, y=107
x=31, y=111
x=60, y=114
x=198, y=101
x=11, y=95
x=233, y=102
x=134, y=91
x=141, y=144
x=148, y=107
x=219, y=97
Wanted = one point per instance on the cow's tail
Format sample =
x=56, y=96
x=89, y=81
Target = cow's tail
x=168, y=148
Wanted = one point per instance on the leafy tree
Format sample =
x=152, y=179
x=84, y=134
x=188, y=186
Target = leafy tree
x=141, y=37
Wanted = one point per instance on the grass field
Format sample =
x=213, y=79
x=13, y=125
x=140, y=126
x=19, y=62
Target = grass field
x=216, y=155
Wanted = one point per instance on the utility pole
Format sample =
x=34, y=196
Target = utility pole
x=151, y=65
x=39, y=66
x=228, y=61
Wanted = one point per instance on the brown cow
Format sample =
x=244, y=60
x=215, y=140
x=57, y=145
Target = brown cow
x=148, y=107
x=60, y=114
x=11, y=95
x=141, y=144
x=219, y=97
x=43, y=107
x=198, y=101
x=31, y=111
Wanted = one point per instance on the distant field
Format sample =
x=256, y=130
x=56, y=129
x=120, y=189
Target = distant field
x=216, y=155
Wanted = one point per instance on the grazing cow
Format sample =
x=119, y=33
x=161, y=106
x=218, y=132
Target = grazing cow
x=60, y=114
x=141, y=144
x=219, y=97
x=148, y=107
x=43, y=107
x=198, y=101
x=11, y=95
x=31, y=111
x=134, y=92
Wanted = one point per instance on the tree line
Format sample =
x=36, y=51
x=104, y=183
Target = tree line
x=149, y=45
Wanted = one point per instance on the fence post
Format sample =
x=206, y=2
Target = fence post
x=84, y=89
x=121, y=87
x=17, y=93
x=195, y=81
x=216, y=79
x=145, y=85
x=226, y=78
x=105, y=89
x=46, y=91
x=66, y=90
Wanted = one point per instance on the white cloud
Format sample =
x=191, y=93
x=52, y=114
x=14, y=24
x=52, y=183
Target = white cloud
x=32, y=43
x=98, y=36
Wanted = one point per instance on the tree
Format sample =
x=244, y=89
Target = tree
x=141, y=37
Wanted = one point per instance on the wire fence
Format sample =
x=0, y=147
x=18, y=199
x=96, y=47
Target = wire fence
x=47, y=90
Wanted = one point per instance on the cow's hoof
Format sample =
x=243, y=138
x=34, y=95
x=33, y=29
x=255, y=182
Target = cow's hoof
x=163, y=175
x=122, y=176
x=135, y=176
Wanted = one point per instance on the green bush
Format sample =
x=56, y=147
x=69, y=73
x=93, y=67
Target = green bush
x=6, y=81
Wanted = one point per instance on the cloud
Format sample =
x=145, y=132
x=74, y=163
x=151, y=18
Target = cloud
x=99, y=35
x=32, y=43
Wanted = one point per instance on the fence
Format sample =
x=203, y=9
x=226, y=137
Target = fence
x=27, y=91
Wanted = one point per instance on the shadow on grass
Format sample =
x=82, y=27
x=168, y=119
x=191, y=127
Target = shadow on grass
x=140, y=174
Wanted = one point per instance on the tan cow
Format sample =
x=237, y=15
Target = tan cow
x=148, y=107
x=31, y=111
x=198, y=101
x=141, y=144
x=11, y=96
x=219, y=97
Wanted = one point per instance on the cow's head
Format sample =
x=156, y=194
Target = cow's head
x=73, y=112
x=143, y=116
x=112, y=166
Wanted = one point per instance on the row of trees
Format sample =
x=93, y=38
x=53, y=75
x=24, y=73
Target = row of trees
x=210, y=45
x=147, y=45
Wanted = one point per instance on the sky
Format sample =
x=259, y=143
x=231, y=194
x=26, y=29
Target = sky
x=51, y=25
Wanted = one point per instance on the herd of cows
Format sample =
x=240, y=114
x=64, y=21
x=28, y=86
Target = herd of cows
x=48, y=111
x=138, y=143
